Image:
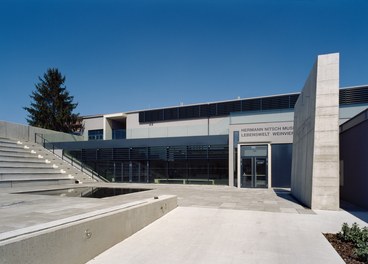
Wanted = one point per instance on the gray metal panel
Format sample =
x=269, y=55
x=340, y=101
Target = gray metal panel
x=357, y=119
x=281, y=165
x=354, y=165
x=127, y=143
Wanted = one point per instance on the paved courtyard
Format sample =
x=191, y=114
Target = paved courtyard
x=213, y=224
x=24, y=210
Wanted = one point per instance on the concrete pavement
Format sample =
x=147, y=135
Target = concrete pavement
x=209, y=235
x=21, y=210
x=213, y=224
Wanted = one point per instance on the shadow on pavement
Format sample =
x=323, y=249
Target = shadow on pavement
x=355, y=210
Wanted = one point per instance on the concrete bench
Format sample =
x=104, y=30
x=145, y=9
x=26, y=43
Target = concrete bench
x=200, y=180
x=167, y=180
x=184, y=181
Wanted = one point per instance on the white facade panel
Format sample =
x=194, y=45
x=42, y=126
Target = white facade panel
x=92, y=124
x=200, y=130
x=347, y=112
x=219, y=126
x=180, y=128
x=267, y=132
x=133, y=121
x=137, y=133
x=262, y=117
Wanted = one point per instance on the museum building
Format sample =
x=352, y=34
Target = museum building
x=243, y=142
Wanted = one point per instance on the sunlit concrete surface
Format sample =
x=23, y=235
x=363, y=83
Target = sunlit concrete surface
x=216, y=235
x=213, y=224
x=23, y=210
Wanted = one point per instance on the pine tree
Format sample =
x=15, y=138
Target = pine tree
x=52, y=106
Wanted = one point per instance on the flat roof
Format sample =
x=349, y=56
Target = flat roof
x=204, y=103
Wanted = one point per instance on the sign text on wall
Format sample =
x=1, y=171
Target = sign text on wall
x=267, y=132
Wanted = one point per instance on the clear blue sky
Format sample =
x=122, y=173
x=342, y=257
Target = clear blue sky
x=129, y=55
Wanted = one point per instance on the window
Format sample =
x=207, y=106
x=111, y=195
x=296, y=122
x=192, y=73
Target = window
x=200, y=164
x=95, y=134
x=118, y=134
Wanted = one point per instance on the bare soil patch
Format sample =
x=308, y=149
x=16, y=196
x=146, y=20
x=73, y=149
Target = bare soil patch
x=345, y=249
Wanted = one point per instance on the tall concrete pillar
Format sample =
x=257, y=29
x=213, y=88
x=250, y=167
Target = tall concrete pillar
x=315, y=164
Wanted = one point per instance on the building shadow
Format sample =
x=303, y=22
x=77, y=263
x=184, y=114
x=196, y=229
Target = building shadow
x=355, y=210
x=285, y=193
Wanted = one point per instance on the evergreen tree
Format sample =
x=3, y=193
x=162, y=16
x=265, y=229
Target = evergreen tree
x=52, y=106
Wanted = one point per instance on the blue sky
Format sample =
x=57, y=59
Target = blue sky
x=129, y=55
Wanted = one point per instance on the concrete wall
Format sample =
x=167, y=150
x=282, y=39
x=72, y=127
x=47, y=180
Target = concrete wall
x=315, y=163
x=27, y=133
x=80, y=238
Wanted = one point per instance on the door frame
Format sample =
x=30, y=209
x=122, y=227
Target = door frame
x=269, y=178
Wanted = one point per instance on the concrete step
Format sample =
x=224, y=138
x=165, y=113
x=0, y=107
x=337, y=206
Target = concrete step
x=33, y=176
x=19, y=149
x=19, y=144
x=10, y=144
x=21, y=158
x=15, y=144
x=8, y=140
x=53, y=161
x=27, y=164
x=78, y=174
x=18, y=154
x=25, y=170
x=34, y=182
x=20, y=162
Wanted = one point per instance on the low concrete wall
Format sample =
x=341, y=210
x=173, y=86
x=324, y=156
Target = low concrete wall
x=315, y=163
x=80, y=238
x=27, y=133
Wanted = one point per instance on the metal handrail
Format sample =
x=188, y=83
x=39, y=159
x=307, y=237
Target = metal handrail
x=68, y=158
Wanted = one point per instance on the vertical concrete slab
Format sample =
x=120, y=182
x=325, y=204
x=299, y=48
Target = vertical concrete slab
x=315, y=164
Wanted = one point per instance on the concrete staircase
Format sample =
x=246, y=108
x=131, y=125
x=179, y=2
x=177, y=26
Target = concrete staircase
x=29, y=164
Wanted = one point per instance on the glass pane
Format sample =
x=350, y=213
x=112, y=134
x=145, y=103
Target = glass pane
x=261, y=166
x=247, y=166
x=261, y=172
x=254, y=166
x=247, y=173
x=252, y=151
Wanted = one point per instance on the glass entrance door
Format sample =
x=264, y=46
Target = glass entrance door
x=247, y=172
x=260, y=174
x=254, y=167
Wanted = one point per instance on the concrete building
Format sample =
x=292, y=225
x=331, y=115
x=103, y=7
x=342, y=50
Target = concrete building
x=244, y=142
